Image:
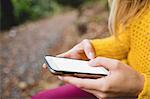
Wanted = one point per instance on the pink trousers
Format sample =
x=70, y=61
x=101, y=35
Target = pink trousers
x=64, y=92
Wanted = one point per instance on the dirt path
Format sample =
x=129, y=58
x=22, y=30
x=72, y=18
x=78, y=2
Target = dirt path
x=22, y=50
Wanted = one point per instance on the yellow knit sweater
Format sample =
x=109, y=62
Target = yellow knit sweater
x=133, y=45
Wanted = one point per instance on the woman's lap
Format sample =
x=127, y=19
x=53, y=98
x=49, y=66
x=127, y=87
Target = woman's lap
x=64, y=92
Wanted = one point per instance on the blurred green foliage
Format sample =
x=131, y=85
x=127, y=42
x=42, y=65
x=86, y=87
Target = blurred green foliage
x=33, y=9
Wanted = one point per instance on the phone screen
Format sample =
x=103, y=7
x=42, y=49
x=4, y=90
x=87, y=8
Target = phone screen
x=71, y=65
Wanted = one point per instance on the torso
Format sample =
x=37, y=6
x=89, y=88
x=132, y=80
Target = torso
x=139, y=54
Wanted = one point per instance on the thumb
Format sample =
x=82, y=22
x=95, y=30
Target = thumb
x=104, y=62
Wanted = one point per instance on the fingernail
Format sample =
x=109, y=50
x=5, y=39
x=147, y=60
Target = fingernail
x=91, y=55
x=44, y=66
x=61, y=78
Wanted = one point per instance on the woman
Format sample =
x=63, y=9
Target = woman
x=126, y=54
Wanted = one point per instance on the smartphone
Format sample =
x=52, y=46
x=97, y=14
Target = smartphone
x=72, y=67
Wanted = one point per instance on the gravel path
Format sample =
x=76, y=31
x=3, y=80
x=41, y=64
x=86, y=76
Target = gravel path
x=22, y=50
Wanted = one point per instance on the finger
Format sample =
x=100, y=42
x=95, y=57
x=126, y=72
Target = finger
x=94, y=86
x=100, y=94
x=96, y=93
x=73, y=53
x=44, y=66
x=82, y=82
x=104, y=62
x=88, y=49
x=66, y=54
x=78, y=52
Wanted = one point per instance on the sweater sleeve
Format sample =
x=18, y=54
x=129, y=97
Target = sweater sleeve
x=112, y=47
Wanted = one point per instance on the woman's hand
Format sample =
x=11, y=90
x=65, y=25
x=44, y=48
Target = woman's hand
x=121, y=82
x=84, y=51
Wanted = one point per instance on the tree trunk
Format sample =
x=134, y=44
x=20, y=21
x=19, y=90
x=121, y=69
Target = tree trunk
x=7, y=14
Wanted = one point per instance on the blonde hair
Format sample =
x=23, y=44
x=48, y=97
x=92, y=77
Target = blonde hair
x=123, y=10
